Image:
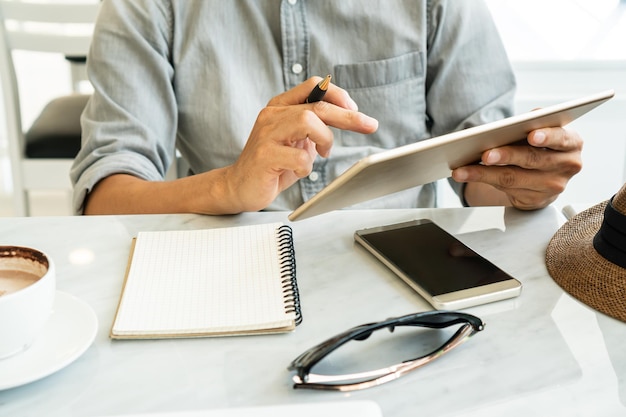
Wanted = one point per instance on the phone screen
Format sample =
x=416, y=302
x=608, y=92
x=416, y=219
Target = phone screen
x=432, y=258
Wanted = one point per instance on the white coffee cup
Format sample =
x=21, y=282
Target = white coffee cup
x=27, y=291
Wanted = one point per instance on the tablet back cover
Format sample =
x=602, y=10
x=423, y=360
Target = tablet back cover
x=422, y=162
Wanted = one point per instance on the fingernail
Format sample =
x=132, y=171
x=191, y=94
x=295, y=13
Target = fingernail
x=539, y=137
x=370, y=122
x=460, y=175
x=493, y=157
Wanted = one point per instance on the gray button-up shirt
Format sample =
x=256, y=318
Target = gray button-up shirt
x=192, y=75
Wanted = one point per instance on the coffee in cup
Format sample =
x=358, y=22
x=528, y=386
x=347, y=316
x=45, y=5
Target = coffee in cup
x=27, y=290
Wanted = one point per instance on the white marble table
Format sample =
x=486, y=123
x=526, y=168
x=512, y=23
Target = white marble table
x=541, y=354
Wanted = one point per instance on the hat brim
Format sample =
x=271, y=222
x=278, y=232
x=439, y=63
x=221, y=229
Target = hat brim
x=581, y=271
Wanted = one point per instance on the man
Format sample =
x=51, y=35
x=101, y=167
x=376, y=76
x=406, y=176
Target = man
x=197, y=75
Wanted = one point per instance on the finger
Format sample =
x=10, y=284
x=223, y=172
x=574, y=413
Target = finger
x=340, y=97
x=298, y=160
x=523, y=156
x=530, y=157
x=298, y=95
x=344, y=119
x=555, y=138
x=511, y=179
x=337, y=109
x=291, y=125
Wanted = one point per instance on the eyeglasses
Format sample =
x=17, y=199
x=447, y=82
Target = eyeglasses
x=469, y=325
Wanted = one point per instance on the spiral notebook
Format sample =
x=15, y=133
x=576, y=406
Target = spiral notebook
x=211, y=282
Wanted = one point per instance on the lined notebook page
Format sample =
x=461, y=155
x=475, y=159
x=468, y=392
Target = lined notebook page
x=202, y=282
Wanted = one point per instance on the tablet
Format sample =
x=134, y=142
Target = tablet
x=432, y=159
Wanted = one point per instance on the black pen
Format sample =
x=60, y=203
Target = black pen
x=319, y=91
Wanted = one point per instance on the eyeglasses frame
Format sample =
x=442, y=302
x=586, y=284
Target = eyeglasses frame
x=431, y=319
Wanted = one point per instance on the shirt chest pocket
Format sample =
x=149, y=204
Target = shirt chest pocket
x=390, y=90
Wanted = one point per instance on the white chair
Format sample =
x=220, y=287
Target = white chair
x=41, y=155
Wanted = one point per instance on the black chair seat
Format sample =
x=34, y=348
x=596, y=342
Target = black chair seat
x=56, y=132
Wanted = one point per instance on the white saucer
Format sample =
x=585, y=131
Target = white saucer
x=68, y=333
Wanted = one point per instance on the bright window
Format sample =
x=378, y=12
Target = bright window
x=562, y=29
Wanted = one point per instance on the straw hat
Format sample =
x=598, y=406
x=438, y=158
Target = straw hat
x=587, y=256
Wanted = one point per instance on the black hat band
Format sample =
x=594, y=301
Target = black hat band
x=610, y=241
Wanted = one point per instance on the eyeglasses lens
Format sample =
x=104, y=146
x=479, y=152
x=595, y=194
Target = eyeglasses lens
x=384, y=349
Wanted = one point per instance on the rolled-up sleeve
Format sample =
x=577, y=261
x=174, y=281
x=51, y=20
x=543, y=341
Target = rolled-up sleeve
x=129, y=124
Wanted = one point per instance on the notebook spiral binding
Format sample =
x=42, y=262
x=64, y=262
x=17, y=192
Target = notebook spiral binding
x=287, y=261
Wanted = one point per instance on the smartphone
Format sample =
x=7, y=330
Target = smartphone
x=444, y=271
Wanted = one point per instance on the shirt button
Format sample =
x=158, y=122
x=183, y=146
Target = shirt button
x=314, y=176
x=292, y=2
x=296, y=68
